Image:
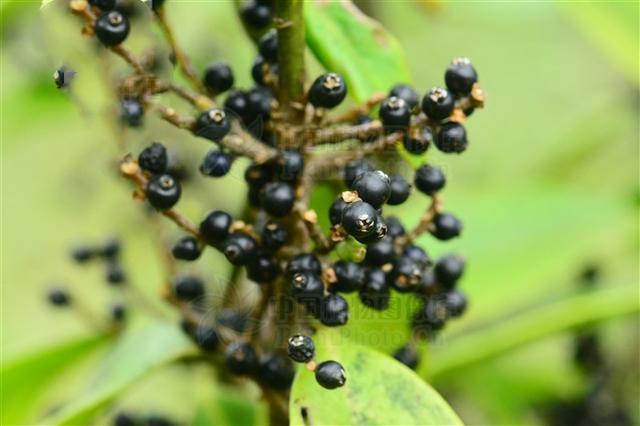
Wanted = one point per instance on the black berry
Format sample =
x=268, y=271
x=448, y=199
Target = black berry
x=82, y=254
x=330, y=375
x=406, y=93
x=289, y=165
x=103, y=4
x=131, y=112
x=350, y=276
x=274, y=235
x=259, y=103
x=237, y=104
x=359, y=219
x=438, y=103
x=212, y=124
x=375, y=292
x=429, y=179
x=263, y=268
x=268, y=46
x=115, y=275
x=216, y=163
x=276, y=371
x=455, y=302
x=431, y=316
x=240, y=248
x=327, y=91
x=452, y=138
x=278, y=198
x=188, y=288
x=118, y=312
x=112, y=28
x=405, y=275
x=256, y=14
x=215, y=226
x=308, y=289
x=448, y=270
x=257, y=175
x=334, y=310
x=153, y=158
x=380, y=252
x=206, y=337
x=400, y=190
x=408, y=355
x=379, y=232
x=186, y=248
x=417, y=254
x=59, y=297
x=304, y=262
x=373, y=187
x=460, y=76
x=232, y=319
x=163, y=191
x=241, y=359
x=395, y=114
x=394, y=227
x=354, y=169
x=446, y=226
x=218, y=77
x=300, y=348
x=418, y=143
x=336, y=209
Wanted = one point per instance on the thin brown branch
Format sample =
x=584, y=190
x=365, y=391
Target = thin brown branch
x=425, y=220
x=129, y=58
x=360, y=110
x=340, y=134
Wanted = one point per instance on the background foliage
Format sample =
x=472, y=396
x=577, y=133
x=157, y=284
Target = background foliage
x=549, y=184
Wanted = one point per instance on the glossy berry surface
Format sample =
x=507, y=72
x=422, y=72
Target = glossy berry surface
x=446, y=226
x=213, y=124
x=418, y=143
x=373, y=187
x=432, y=316
x=256, y=14
x=455, y=302
x=215, y=226
x=354, y=169
x=429, y=179
x=330, y=375
x=406, y=93
x=188, y=288
x=240, y=249
x=278, y=198
x=452, y=138
x=400, y=190
x=153, y=158
x=334, y=310
x=216, y=163
x=59, y=297
x=350, y=276
x=379, y=232
x=359, y=219
x=417, y=254
x=438, y=103
x=394, y=227
x=289, y=165
x=327, y=91
x=237, y=105
x=308, y=289
x=405, y=275
x=395, y=114
x=336, y=209
x=103, y=4
x=218, y=77
x=408, y=355
x=276, y=371
x=375, y=293
x=112, y=28
x=263, y=268
x=380, y=252
x=460, y=76
x=300, y=348
x=268, y=46
x=241, y=359
x=186, y=248
x=163, y=191
x=274, y=235
x=304, y=262
x=448, y=270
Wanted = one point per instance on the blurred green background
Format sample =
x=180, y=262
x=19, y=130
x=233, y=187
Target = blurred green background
x=548, y=186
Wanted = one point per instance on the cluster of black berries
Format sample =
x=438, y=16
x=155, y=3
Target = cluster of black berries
x=109, y=252
x=329, y=374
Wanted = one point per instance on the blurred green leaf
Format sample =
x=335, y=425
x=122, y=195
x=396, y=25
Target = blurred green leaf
x=227, y=408
x=350, y=43
x=378, y=391
x=613, y=28
x=137, y=353
x=26, y=379
x=510, y=332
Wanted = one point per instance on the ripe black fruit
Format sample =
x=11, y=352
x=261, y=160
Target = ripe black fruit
x=212, y=124
x=205, y=337
x=418, y=255
x=83, y=254
x=218, y=77
x=274, y=235
x=112, y=28
x=163, y=191
x=308, y=289
x=241, y=359
x=215, y=226
x=460, y=76
x=59, y=297
x=375, y=292
x=429, y=179
x=304, y=262
x=186, y=248
x=373, y=187
x=405, y=275
x=408, y=355
x=256, y=14
x=301, y=348
x=452, y=138
x=379, y=232
x=240, y=248
x=354, y=169
x=446, y=226
x=455, y=302
x=103, y=4
x=359, y=219
x=216, y=163
x=153, y=158
x=431, y=316
x=131, y=112
x=330, y=375
x=289, y=165
x=350, y=276
x=276, y=371
x=406, y=93
x=394, y=227
x=334, y=310
x=232, y=319
x=327, y=91
x=268, y=46
x=380, y=252
x=237, y=105
x=395, y=114
x=336, y=209
x=400, y=190
x=257, y=175
x=259, y=103
x=278, y=198
x=418, y=144
x=448, y=270
x=263, y=268
x=188, y=288
x=438, y=103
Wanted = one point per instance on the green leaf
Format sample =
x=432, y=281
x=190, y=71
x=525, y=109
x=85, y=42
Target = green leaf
x=231, y=408
x=137, y=353
x=26, y=379
x=350, y=43
x=379, y=391
x=514, y=331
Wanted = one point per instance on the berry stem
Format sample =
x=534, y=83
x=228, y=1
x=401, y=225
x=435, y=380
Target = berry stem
x=425, y=220
x=340, y=134
x=358, y=110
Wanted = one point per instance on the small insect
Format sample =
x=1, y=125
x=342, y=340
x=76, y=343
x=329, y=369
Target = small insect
x=63, y=77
